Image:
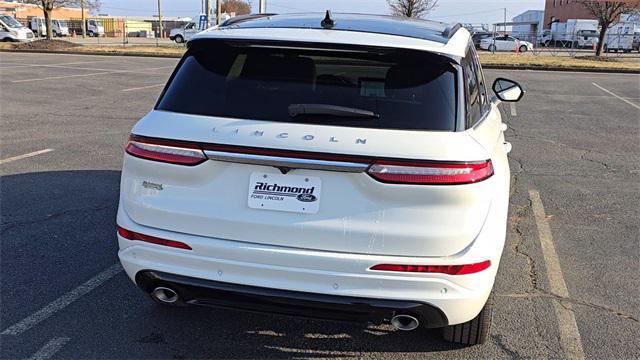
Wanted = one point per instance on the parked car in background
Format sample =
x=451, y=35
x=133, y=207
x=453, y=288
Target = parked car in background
x=349, y=168
x=505, y=43
x=478, y=36
x=12, y=30
x=185, y=33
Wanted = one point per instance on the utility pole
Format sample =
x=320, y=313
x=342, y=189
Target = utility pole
x=207, y=12
x=505, y=21
x=83, y=25
x=160, y=19
x=262, y=9
x=218, y=11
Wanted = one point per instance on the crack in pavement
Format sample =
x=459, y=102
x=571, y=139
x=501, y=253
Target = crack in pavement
x=79, y=115
x=583, y=157
x=497, y=339
x=541, y=293
x=521, y=214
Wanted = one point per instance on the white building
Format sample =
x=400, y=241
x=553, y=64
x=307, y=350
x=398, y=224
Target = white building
x=527, y=25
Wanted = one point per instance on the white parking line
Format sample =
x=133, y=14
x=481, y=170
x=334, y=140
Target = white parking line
x=24, y=156
x=124, y=57
x=617, y=96
x=106, y=71
x=48, y=65
x=62, y=302
x=561, y=73
x=570, y=339
x=50, y=348
x=514, y=112
x=143, y=87
x=111, y=70
x=60, y=77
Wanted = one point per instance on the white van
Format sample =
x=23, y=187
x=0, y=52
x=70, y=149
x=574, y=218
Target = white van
x=38, y=25
x=12, y=30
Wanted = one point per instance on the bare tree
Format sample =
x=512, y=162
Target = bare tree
x=412, y=8
x=47, y=7
x=607, y=12
x=238, y=7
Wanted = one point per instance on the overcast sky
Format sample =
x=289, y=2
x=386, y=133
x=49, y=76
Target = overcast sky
x=467, y=11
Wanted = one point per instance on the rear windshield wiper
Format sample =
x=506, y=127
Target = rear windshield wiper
x=333, y=110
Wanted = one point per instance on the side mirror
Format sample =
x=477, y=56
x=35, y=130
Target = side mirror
x=507, y=90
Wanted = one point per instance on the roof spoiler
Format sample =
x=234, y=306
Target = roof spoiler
x=450, y=30
x=243, y=18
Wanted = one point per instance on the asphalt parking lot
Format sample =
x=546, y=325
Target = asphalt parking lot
x=568, y=284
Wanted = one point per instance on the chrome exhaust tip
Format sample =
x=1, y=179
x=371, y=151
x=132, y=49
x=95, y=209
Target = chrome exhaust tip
x=405, y=322
x=165, y=295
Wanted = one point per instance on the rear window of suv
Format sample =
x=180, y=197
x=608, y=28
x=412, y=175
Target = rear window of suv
x=312, y=84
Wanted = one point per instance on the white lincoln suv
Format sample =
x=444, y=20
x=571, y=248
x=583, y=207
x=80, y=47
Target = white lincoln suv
x=344, y=167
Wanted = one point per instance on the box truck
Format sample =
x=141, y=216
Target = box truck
x=574, y=33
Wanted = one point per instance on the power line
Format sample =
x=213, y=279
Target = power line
x=286, y=7
x=466, y=14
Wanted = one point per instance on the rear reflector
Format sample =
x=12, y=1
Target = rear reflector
x=165, y=151
x=442, y=269
x=426, y=173
x=130, y=235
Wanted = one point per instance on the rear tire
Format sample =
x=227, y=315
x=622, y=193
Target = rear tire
x=473, y=332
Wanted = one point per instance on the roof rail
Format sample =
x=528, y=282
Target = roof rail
x=243, y=18
x=450, y=30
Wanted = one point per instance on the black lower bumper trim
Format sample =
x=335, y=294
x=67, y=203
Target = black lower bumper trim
x=285, y=302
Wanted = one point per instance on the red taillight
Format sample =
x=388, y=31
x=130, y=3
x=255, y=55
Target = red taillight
x=442, y=269
x=165, y=151
x=130, y=235
x=430, y=173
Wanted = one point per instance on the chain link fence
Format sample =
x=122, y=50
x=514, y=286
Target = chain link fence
x=581, y=43
x=107, y=30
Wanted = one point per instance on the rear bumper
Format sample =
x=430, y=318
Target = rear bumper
x=203, y=292
x=343, y=277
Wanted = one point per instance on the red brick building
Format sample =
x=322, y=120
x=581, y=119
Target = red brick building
x=562, y=10
x=23, y=11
